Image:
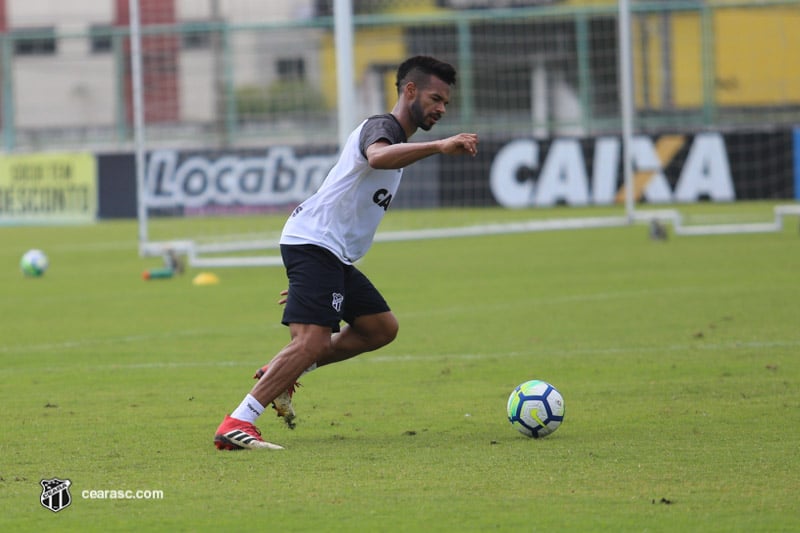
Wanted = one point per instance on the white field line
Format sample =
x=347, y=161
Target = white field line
x=128, y=339
x=725, y=346
x=400, y=358
x=566, y=299
x=103, y=246
x=501, y=305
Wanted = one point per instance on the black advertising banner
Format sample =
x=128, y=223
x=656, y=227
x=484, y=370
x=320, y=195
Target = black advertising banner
x=667, y=169
x=513, y=173
x=116, y=186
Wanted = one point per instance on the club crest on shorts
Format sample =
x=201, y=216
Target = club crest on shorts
x=336, y=302
x=55, y=494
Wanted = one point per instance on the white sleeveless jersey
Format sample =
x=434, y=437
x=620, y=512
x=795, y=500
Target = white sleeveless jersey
x=343, y=215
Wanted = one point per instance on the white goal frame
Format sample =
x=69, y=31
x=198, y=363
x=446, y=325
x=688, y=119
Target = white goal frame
x=212, y=255
x=208, y=255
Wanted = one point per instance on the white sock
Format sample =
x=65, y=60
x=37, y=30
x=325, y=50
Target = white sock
x=309, y=369
x=249, y=410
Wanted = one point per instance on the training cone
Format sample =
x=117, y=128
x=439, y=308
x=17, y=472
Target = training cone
x=205, y=278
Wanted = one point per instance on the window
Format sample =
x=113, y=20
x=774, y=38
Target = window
x=34, y=41
x=196, y=36
x=100, y=38
x=291, y=69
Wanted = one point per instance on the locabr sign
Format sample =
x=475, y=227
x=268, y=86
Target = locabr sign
x=278, y=178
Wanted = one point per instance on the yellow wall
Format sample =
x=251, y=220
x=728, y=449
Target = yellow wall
x=687, y=61
x=756, y=56
x=381, y=45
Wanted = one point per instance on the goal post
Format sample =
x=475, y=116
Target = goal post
x=625, y=59
x=137, y=107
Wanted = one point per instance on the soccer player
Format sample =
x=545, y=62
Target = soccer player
x=326, y=234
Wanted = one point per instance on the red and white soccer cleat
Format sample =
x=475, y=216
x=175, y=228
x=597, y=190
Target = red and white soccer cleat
x=235, y=434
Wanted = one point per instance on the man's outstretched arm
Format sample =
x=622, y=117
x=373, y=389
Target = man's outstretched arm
x=383, y=155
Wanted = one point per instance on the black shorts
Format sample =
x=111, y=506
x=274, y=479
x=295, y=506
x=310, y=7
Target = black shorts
x=324, y=291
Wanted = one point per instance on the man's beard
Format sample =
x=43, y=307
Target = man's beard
x=419, y=117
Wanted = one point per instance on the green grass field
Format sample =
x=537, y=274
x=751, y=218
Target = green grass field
x=678, y=362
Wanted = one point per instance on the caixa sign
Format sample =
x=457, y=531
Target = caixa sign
x=524, y=175
x=278, y=178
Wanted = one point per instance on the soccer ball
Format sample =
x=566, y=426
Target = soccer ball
x=33, y=263
x=536, y=409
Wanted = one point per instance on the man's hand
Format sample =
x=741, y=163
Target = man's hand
x=463, y=143
x=284, y=293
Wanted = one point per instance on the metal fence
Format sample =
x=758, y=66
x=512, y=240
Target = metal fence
x=539, y=71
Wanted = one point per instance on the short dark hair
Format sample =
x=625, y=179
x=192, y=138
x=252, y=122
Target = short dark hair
x=417, y=68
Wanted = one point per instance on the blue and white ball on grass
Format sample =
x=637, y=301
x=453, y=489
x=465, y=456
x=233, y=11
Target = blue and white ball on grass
x=34, y=263
x=536, y=409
